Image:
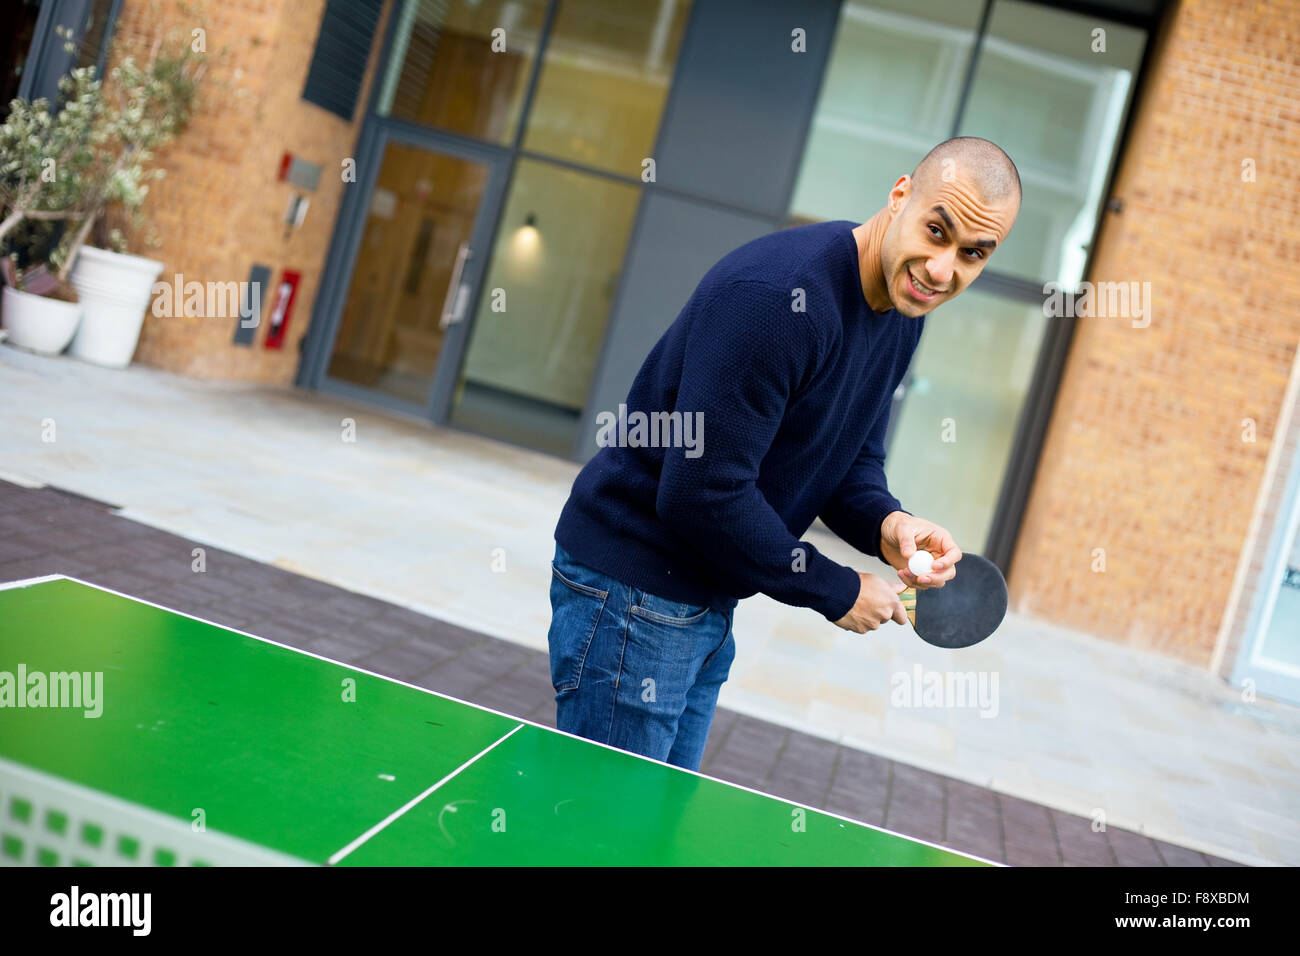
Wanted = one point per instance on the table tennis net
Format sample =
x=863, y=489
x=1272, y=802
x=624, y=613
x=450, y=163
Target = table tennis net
x=47, y=821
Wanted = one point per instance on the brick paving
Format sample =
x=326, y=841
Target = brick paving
x=47, y=531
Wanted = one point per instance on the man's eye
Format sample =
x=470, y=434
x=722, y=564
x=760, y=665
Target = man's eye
x=975, y=253
x=936, y=231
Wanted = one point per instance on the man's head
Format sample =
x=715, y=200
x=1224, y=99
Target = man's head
x=945, y=220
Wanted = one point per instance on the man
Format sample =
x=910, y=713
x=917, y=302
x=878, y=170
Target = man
x=786, y=355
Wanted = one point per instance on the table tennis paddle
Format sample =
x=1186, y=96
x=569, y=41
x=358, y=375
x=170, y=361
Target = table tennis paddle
x=967, y=609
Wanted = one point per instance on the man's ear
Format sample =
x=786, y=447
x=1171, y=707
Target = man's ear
x=898, y=195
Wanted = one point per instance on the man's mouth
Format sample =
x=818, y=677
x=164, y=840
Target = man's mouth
x=920, y=290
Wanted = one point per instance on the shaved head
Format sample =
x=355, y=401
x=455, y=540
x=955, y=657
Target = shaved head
x=940, y=226
x=977, y=162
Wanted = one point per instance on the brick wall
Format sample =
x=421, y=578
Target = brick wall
x=219, y=210
x=1145, y=457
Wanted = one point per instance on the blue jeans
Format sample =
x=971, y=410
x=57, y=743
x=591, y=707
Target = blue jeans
x=632, y=670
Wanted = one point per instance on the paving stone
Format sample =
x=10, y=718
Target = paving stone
x=754, y=745
x=1179, y=855
x=723, y=721
x=256, y=606
x=918, y=784
x=181, y=598
x=123, y=555
x=1022, y=852
x=347, y=604
x=803, y=770
x=972, y=808
x=913, y=812
x=406, y=662
x=124, y=528
x=1079, y=843
x=511, y=695
x=867, y=807
x=1027, y=820
x=343, y=646
x=21, y=500
x=21, y=547
x=420, y=627
x=16, y=524
x=63, y=540
x=288, y=631
x=1133, y=849
x=979, y=839
x=49, y=564
x=479, y=664
x=797, y=790
x=858, y=769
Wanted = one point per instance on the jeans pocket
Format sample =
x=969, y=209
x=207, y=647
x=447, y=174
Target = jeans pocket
x=658, y=610
x=575, y=613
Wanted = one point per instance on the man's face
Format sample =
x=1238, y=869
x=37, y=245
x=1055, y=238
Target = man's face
x=938, y=240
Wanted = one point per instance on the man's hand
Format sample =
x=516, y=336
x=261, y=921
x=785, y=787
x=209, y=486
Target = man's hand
x=877, y=603
x=902, y=535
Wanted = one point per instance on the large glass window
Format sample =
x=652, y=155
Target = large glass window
x=891, y=92
x=1052, y=88
x=952, y=438
x=1047, y=93
x=463, y=65
x=599, y=91
x=544, y=305
x=604, y=81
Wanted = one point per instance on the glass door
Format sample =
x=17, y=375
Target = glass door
x=1270, y=653
x=415, y=255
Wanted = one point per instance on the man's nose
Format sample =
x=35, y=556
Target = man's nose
x=940, y=268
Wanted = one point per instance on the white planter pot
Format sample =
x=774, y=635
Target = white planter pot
x=37, y=323
x=115, y=290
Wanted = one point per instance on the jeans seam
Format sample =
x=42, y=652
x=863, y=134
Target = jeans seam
x=618, y=674
x=656, y=618
x=580, y=588
x=586, y=648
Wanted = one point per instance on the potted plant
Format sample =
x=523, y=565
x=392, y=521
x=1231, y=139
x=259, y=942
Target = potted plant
x=151, y=103
x=43, y=156
x=103, y=151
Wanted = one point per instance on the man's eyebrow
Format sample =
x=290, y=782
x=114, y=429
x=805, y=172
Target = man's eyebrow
x=943, y=214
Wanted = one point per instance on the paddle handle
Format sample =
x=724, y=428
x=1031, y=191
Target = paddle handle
x=908, y=597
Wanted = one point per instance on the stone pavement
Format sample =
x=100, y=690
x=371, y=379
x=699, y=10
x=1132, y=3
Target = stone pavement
x=47, y=531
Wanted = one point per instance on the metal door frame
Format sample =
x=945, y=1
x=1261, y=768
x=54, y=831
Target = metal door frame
x=346, y=248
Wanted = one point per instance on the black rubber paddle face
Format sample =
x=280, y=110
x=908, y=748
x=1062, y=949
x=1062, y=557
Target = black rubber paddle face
x=966, y=609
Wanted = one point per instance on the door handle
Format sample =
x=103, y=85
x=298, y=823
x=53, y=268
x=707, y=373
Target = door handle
x=453, y=306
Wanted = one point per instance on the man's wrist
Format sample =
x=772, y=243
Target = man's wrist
x=885, y=527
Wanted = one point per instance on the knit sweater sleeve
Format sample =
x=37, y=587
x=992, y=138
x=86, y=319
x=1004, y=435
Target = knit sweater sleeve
x=745, y=355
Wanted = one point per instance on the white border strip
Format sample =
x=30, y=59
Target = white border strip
x=522, y=720
x=397, y=813
x=25, y=582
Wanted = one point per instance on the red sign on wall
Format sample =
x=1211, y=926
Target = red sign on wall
x=285, y=293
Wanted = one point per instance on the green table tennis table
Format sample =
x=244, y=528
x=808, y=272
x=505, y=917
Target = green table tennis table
x=134, y=734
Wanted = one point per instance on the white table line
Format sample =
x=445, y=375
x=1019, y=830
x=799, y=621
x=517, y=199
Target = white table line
x=401, y=810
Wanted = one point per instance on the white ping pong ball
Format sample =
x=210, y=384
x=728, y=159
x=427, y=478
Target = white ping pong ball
x=920, y=563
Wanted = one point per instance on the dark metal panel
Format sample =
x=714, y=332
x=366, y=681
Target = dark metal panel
x=737, y=114
x=674, y=243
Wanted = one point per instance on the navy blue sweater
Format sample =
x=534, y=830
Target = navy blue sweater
x=790, y=374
